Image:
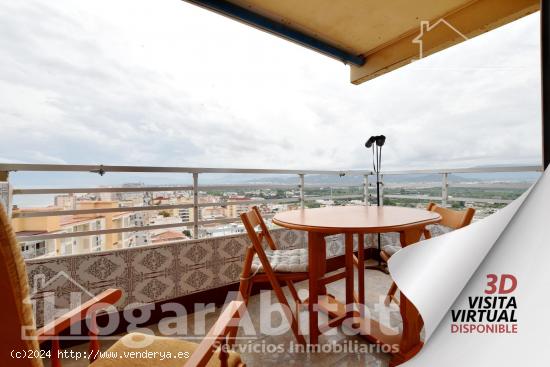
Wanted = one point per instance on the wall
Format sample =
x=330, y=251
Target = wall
x=150, y=273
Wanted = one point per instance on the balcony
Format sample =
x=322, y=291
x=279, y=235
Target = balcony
x=185, y=243
x=166, y=255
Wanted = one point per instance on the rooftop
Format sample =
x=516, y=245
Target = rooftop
x=168, y=236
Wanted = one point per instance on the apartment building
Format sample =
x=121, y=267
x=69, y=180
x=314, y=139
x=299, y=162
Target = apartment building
x=25, y=226
x=37, y=226
x=235, y=210
x=65, y=201
x=131, y=239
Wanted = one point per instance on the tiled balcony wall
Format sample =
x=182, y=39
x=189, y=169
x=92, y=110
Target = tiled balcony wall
x=153, y=273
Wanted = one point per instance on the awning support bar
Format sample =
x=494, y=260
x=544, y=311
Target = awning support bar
x=263, y=23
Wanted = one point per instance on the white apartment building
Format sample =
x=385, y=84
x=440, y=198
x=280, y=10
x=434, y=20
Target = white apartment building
x=132, y=239
x=32, y=249
x=65, y=201
x=82, y=244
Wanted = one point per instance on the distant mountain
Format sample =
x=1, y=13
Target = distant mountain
x=503, y=176
x=352, y=180
x=413, y=178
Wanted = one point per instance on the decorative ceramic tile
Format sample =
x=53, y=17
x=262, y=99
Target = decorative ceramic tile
x=100, y=267
x=54, y=293
x=290, y=237
x=233, y=247
x=152, y=273
x=152, y=260
x=153, y=290
x=196, y=280
x=230, y=272
x=195, y=254
x=288, y=240
x=41, y=271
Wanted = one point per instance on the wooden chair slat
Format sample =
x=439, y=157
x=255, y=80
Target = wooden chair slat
x=453, y=218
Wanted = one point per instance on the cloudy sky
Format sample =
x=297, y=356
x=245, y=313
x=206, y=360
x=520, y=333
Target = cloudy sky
x=166, y=83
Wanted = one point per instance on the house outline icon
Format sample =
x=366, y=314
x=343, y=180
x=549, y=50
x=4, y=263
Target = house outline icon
x=39, y=283
x=41, y=278
x=426, y=27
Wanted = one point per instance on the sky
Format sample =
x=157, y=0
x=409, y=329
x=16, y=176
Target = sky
x=170, y=84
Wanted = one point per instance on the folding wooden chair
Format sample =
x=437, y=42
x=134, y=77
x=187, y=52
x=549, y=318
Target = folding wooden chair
x=450, y=220
x=272, y=266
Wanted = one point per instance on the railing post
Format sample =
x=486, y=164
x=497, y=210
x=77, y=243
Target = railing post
x=445, y=190
x=195, y=205
x=5, y=191
x=366, y=189
x=302, y=201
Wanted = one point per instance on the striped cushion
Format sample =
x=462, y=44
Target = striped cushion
x=438, y=229
x=392, y=241
x=283, y=261
x=391, y=249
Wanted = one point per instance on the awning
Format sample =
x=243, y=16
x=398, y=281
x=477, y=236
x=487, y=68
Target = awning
x=374, y=36
x=378, y=36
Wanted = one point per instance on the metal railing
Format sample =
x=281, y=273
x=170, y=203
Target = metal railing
x=195, y=223
x=445, y=199
x=6, y=192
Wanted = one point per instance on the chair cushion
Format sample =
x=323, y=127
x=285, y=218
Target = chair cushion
x=138, y=342
x=438, y=229
x=387, y=239
x=283, y=261
x=391, y=249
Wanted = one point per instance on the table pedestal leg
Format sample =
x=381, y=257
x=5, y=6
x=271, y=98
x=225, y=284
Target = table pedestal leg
x=410, y=343
x=317, y=269
x=361, y=273
x=350, y=299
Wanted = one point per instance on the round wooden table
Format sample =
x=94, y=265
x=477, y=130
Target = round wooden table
x=350, y=220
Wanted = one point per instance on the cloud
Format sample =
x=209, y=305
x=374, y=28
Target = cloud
x=167, y=83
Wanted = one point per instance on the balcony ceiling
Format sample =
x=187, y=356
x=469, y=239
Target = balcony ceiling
x=377, y=34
